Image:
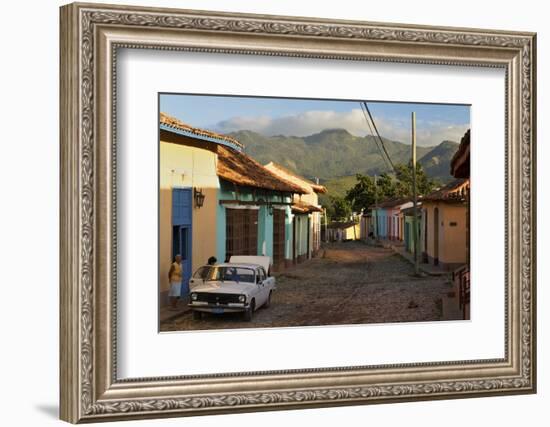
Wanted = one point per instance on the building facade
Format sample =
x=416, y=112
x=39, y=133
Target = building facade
x=386, y=219
x=306, y=211
x=409, y=228
x=214, y=200
x=343, y=231
x=444, y=225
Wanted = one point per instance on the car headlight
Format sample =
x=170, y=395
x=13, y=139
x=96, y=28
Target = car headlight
x=194, y=296
x=242, y=298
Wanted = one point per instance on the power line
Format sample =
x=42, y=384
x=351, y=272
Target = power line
x=389, y=165
x=379, y=137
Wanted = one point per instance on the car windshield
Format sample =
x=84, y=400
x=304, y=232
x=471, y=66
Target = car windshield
x=203, y=272
x=229, y=273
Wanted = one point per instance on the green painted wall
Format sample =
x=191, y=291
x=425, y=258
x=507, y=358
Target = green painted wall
x=409, y=244
x=265, y=232
x=265, y=220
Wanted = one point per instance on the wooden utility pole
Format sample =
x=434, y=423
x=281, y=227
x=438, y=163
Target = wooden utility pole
x=326, y=224
x=415, y=208
x=375, y=217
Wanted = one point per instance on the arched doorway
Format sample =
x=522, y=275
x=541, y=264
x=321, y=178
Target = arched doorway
x=436, y=236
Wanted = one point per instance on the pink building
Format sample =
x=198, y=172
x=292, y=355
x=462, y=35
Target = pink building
x=391, y=222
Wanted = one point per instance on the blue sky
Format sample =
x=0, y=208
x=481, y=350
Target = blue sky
x=299, y=117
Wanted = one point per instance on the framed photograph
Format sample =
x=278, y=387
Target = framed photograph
x=267, y=212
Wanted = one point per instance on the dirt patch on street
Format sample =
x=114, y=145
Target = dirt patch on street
x=352, y=283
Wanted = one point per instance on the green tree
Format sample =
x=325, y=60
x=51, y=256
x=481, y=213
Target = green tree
x=362, y=195
x=339, y=209
x=386, y=187
x=424, y=184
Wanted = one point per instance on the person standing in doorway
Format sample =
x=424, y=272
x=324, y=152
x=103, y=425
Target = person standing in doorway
x=175, y=276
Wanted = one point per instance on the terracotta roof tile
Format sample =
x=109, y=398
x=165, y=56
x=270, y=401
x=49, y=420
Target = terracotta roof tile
x=303, y=207
x=174, y=123
x=241, y=169
x=455, y=191
x=287, y=174
x=393, y=203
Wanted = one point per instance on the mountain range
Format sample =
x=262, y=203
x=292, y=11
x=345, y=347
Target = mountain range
x=336, y=154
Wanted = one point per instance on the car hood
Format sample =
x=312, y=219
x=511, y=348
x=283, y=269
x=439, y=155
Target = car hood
x=226, y=287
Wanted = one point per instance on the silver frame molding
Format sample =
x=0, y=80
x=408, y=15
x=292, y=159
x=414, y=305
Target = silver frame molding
x=90, y=37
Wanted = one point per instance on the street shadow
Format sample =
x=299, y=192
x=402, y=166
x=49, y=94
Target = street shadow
x=49, y=410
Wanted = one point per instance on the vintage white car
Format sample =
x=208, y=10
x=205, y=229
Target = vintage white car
x=241, y=285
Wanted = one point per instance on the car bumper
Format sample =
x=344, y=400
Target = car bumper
x=218, y=308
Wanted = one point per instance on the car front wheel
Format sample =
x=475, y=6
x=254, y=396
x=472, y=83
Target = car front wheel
x=249, y=313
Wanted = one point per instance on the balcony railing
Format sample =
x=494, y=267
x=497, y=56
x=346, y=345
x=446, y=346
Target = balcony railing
x=461, y=279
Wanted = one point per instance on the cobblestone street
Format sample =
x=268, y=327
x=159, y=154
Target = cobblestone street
x=349, y=283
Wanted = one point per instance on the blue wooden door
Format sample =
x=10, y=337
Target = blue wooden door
x=182, y=215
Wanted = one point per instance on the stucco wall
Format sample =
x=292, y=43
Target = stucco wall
x=381, y=223
x=452, y=239
x=352, y=233
x=265, y=220
x=180, y=167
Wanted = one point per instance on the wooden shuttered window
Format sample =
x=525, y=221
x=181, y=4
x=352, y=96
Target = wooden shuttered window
x=241, y=232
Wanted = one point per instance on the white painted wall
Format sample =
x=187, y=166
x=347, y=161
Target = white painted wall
x=29, y=225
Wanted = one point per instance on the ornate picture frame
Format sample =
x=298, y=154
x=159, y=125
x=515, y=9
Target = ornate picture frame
x=90, y=37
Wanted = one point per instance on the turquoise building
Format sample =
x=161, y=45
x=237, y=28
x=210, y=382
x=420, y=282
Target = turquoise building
x=254, y=212
x=408, y=215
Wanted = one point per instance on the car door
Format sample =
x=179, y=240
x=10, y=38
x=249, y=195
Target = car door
x=263, y=284
x=270, y=283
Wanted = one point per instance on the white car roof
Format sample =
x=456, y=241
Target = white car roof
x=263, y=261
x=239, y=265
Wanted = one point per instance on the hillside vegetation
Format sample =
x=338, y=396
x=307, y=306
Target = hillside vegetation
x=335, y=156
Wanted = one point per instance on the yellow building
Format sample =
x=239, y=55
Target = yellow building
x=188, y=168
x=214, y=200
x=444, y=225
x=343, y=231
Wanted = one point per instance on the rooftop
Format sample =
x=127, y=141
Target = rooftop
x=172, y=124
x=410, y=211
x=394, y=202
x=303, y=207
x=455, y=191
x=241, y=169
x=288, y=175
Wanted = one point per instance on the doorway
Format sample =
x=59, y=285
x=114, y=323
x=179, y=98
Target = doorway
x=182, y=232
x=181, y=244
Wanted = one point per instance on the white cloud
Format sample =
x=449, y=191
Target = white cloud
x=310, y=122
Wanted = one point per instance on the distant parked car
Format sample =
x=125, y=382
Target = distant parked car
x=240, y=285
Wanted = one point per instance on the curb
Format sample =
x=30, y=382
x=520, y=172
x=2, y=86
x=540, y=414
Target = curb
x=429, y=273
